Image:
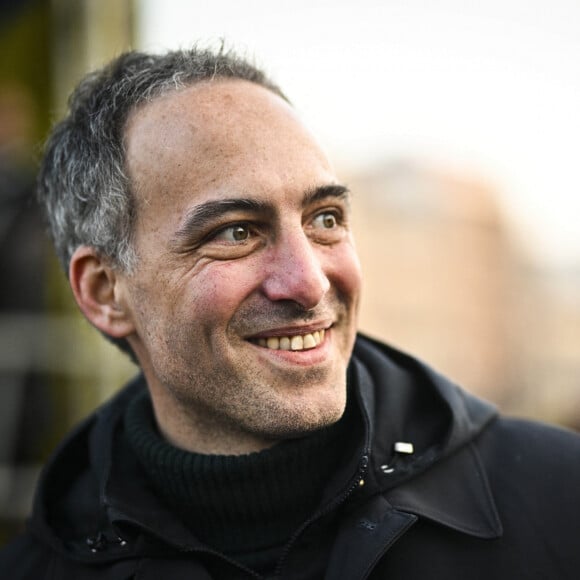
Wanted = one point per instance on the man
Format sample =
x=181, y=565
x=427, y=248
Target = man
x=206, y=233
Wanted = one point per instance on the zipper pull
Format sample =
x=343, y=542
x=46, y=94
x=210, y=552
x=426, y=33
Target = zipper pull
x=362, y=469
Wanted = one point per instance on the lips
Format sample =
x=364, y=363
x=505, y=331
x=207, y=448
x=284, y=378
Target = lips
x=294, y=342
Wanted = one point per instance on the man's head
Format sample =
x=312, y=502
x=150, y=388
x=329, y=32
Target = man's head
x=236, y=284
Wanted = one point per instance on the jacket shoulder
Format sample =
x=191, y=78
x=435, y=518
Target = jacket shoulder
x=531, y=447
x=534, y=473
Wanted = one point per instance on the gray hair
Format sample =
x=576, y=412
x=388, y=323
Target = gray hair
x=83, y=183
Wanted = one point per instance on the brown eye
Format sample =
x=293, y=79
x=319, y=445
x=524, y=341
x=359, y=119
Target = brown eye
x=329, y=221
x=326, y=221
x=240, y=233
x=232, y=234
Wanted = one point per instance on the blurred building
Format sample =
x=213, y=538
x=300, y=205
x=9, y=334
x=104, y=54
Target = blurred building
x=444, y=280
x=549, y=346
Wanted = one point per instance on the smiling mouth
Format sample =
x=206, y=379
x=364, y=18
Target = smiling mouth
x=294, y=342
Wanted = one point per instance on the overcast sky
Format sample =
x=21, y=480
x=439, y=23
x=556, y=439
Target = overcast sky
x=492, y=86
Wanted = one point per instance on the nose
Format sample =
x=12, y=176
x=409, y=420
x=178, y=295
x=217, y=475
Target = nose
x=295, y=271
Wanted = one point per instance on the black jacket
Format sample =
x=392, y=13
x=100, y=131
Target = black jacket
x=481, y=496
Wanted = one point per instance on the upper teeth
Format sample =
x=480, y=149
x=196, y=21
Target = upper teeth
x=296, y=342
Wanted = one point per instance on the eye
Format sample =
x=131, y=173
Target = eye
x=329, y=226
x=234, y=234
x=326, y=220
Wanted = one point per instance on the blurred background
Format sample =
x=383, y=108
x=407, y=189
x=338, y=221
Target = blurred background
x=456, y=125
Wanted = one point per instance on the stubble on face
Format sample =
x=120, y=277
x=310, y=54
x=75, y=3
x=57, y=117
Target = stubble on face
x=244, y=401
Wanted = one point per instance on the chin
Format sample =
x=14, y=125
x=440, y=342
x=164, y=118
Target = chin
x=300, y=422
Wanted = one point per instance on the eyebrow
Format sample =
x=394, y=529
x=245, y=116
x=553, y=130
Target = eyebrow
x=200, y=216
x=325, y=191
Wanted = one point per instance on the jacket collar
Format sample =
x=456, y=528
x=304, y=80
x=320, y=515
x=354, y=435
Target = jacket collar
x=444, y=482
x=454, y=493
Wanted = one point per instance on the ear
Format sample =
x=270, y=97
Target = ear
x=97, y=289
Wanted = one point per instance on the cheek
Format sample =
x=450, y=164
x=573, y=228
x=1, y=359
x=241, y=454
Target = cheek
x=346, y=273
x=217, y=292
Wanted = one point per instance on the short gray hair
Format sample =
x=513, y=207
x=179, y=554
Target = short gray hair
x=83, y=183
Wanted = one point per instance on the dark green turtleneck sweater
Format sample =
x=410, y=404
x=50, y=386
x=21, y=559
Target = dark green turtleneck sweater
x=246, y=506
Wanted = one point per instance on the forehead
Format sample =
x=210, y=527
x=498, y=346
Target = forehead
x=215, y=122
x=205, y=109
x=219, y=139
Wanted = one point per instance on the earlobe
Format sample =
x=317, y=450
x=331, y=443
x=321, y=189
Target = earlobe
x=96, y=289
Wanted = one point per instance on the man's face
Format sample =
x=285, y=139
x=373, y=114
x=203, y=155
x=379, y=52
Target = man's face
x=245, y=294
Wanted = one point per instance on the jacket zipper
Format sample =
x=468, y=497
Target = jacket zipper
x=356, y=483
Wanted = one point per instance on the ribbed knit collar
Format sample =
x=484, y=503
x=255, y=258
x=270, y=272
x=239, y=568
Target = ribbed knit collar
x=238, y=504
